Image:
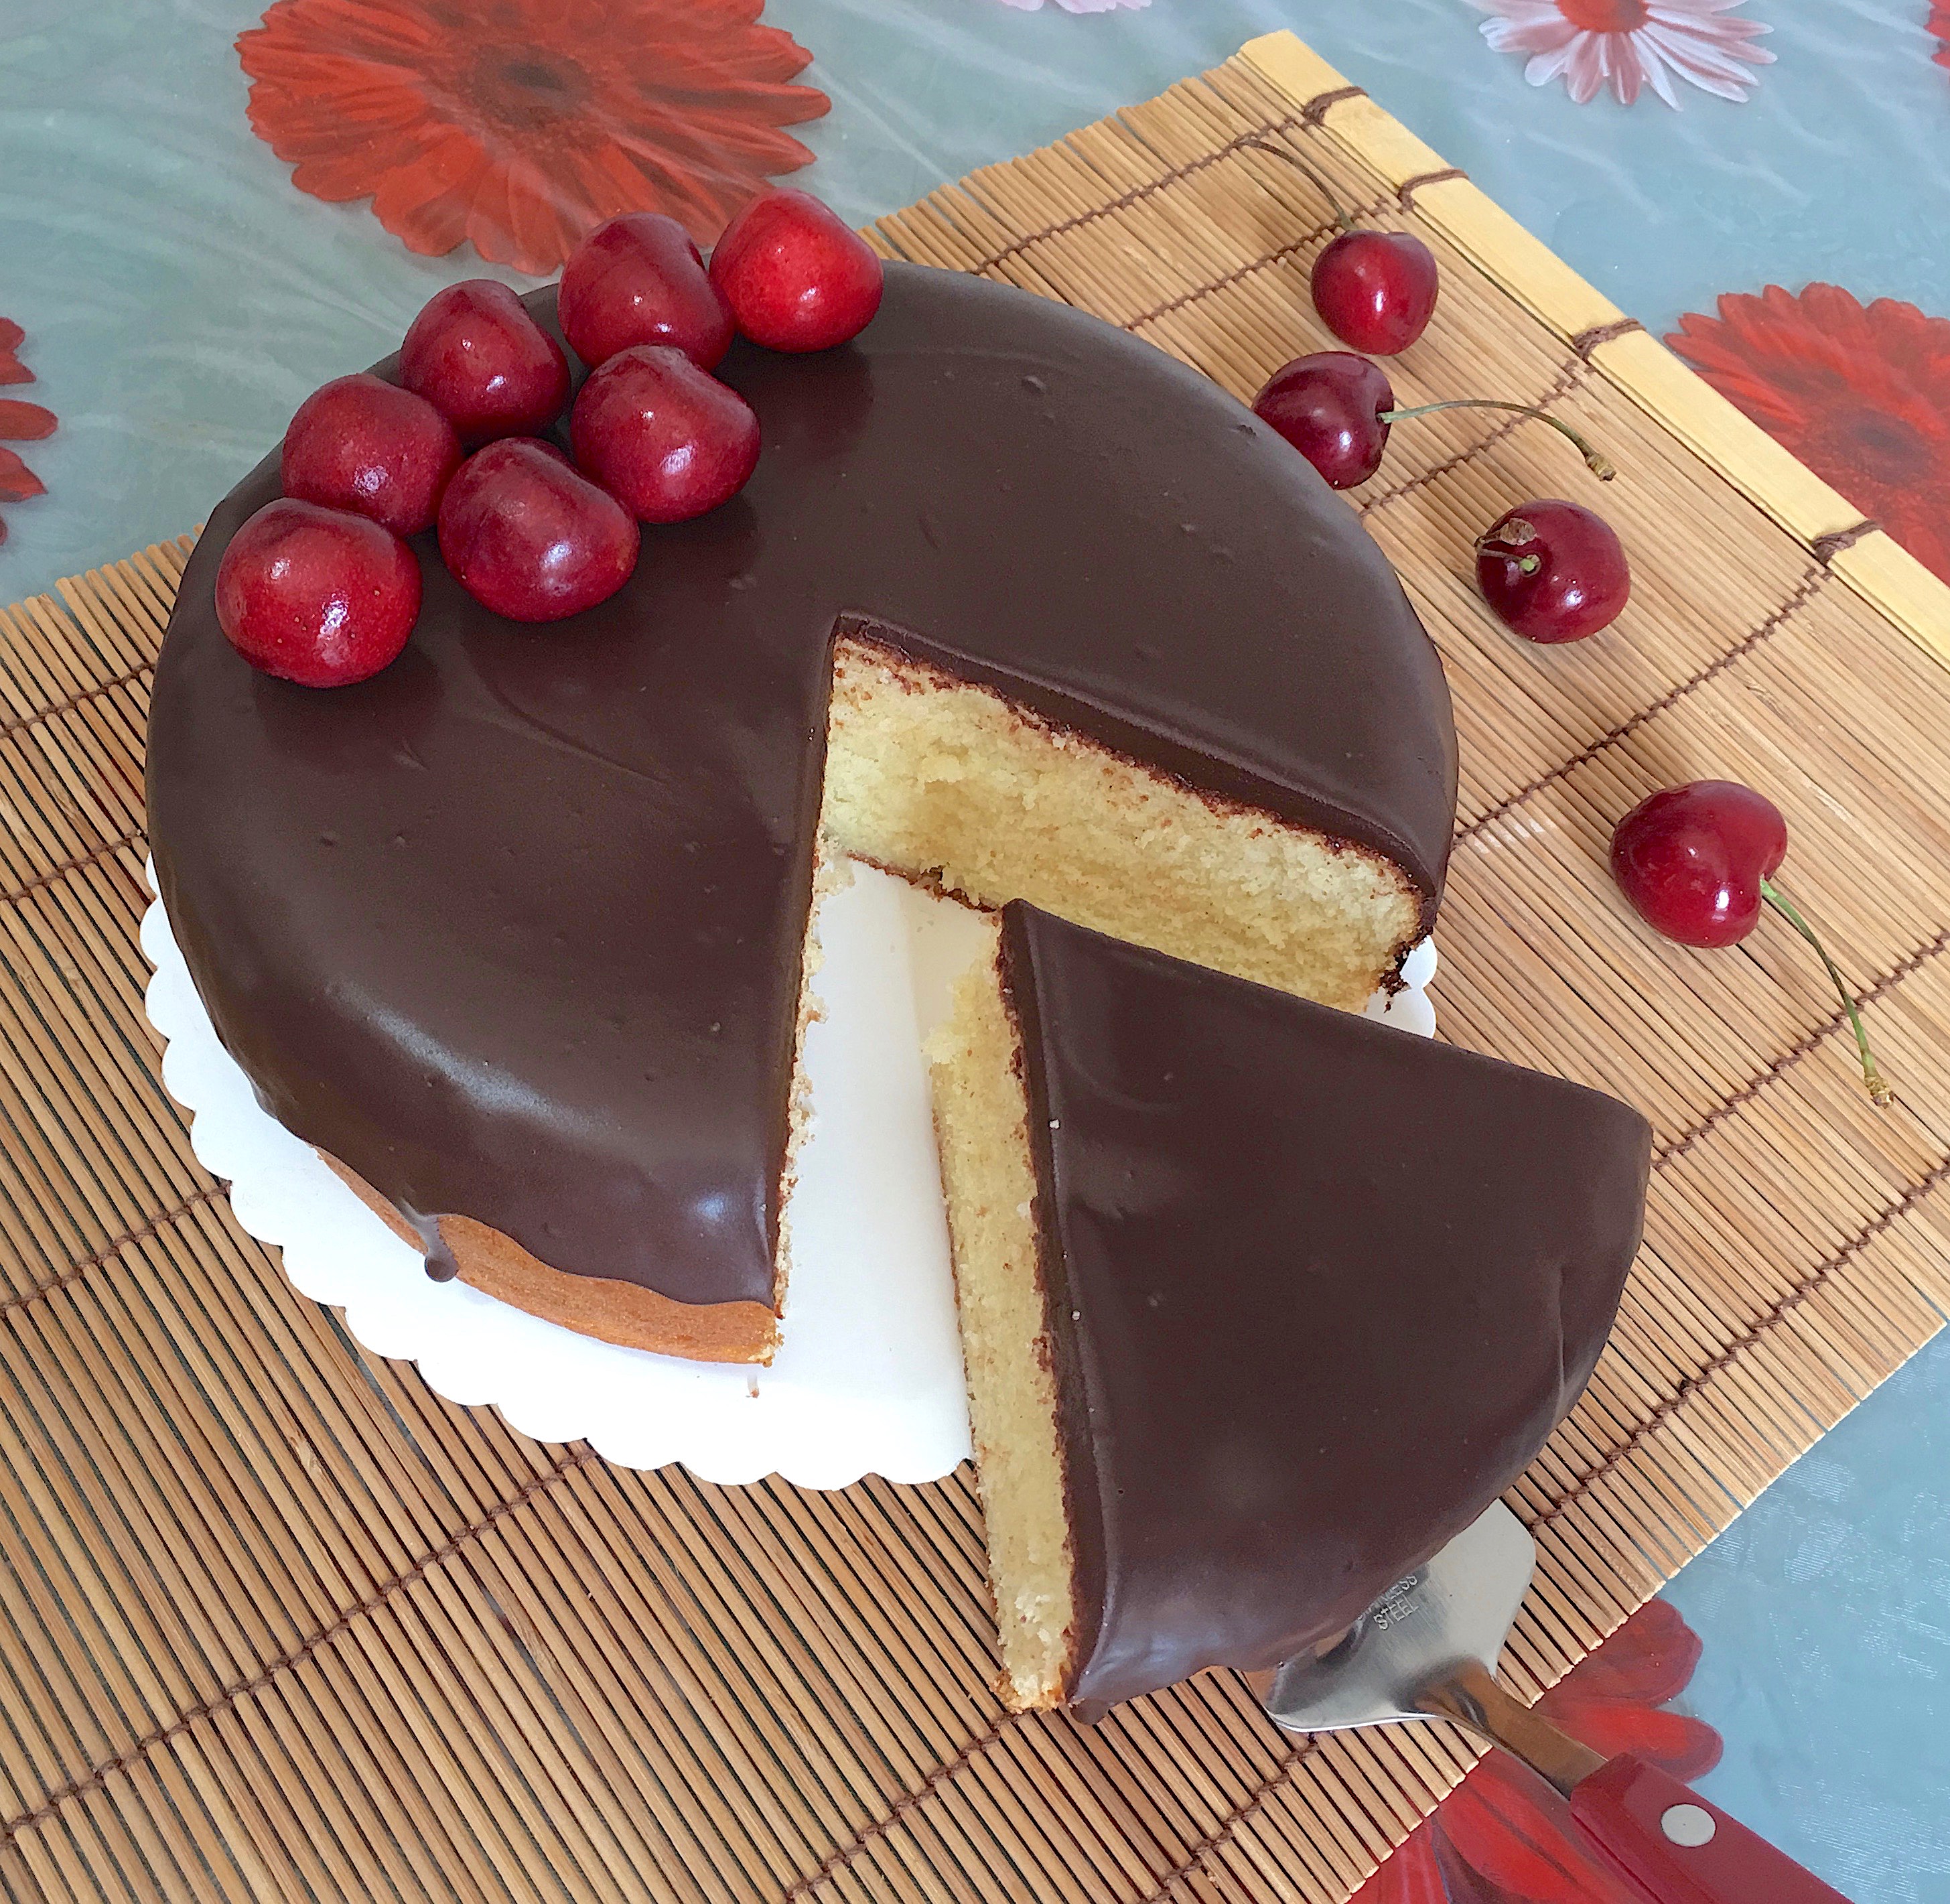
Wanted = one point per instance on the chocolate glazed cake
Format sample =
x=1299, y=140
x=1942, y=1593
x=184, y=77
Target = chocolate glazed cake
x=516, y=932
x=1261, y=1302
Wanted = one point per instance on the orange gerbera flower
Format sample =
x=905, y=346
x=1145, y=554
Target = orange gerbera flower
x=20, y=422
x=1860, y=393
x=517, y=124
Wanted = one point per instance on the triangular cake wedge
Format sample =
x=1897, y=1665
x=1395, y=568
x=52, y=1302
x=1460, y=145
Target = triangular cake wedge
x=1261, y=1301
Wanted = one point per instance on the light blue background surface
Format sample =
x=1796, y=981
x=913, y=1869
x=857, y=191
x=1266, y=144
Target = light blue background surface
x=181, y=298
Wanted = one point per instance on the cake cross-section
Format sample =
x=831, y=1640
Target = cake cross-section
x=1261, y=1302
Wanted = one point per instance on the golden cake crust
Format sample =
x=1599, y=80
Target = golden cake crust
x=611, y=1310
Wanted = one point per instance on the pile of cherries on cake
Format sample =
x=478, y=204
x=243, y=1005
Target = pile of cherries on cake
x=1697, y=862
x=320, y=587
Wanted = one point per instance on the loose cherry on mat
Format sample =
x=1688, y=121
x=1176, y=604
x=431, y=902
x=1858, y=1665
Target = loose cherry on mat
x=665, y=438
x=1375, y=290
x=361, y=444
x=1697, y=862
x=1552, y=571
x=529, y=537
x=638, y=279
x=796, y=276
x=476, y=355
x=1337, y=409
x=316, y=596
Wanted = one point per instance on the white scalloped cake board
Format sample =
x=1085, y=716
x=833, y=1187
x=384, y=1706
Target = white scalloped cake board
x=868, y=1376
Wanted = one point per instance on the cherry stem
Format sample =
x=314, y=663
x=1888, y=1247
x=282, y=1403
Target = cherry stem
x=1293, y=159
x=1872, y=1078
x=1599, y=465
x=1527, y=564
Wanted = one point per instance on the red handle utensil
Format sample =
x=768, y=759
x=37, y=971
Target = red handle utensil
x=1427, y=1649
x=1677, y=1848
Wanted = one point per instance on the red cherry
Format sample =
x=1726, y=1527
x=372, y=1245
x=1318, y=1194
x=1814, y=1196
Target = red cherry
x=1553, y=571
x=316, y=596
x=1697, y=862
x=475, y=353
x=638, y=279
x=1376, y=291
x=1336, y=410
x=1692, y=859
x=528, y=538
x=796, y=277
x=1331, y=407
x=666, y=439
x=360, y=443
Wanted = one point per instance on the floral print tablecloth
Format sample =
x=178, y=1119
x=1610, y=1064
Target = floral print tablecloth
x=206, y=207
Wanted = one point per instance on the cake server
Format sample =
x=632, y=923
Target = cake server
x=1427, y=1650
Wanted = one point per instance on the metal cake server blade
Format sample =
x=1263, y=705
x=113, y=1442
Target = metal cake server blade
x=1427, y=1649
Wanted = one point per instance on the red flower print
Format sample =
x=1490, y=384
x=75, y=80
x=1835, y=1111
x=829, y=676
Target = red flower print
x=517, y=125
x=20, y=422
x=1940, y=25
x=1862, y=396
x=1503, y=1836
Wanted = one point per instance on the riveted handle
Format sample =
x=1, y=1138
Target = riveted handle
x=1677, y=1849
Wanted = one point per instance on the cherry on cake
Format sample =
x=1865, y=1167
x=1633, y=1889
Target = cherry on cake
x=1261, y=1302
x=518, y=931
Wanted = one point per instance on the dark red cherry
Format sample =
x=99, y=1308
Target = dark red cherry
x=361, y=444
x=1692, y=859
x=1332, y=407
x=1698, y=862
x=476, y=355
x=666, y=439
x=316, y=596
x=1336, y=410
x=638, y=279
x=797, y=276
x=1376, y=291
x=529, y=537
x=1552, y=570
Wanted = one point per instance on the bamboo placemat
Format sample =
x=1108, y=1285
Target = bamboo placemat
x=276, y=1622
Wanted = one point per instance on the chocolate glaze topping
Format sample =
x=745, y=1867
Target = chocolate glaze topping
x=1319, y=1289
x=514, y=928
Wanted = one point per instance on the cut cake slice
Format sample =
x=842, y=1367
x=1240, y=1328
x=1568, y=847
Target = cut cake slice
x=1261, y=1301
